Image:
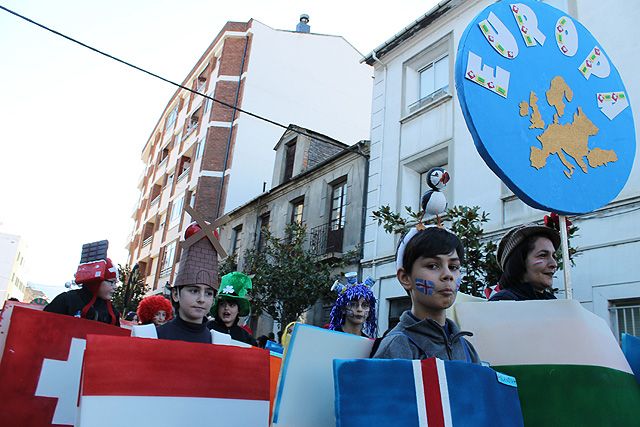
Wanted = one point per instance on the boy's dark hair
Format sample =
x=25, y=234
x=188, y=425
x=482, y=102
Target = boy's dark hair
x=515, y=265
x=431, y=242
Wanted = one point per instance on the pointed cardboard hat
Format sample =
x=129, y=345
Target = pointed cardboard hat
x=198, y=261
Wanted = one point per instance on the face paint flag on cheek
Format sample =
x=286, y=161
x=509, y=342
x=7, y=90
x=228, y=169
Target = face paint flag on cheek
x=425, y=286
x=458, y=282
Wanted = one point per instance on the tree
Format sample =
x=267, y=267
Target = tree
x=481, y=266
x=287, y=278
x=127, y=296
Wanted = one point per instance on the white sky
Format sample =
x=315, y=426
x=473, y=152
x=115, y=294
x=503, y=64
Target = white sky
x=73, y=123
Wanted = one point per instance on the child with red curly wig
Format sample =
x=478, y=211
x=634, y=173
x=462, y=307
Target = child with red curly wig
x=155, y=309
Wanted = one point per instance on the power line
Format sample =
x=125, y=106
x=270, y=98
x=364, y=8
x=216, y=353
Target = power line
x=164, y=79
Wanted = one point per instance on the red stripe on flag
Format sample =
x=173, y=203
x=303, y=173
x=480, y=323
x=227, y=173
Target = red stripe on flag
x=433, y=400
x=115, y=366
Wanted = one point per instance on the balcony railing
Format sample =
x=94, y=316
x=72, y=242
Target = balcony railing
x=326, y=239
x=183, y=174
x=147, y=241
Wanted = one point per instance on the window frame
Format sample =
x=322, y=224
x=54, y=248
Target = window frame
x=299, y=201
x=176, y=215
x=341, y=183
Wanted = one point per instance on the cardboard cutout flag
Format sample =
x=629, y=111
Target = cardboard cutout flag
x=40, y=368
x=305, y=396
x=173, y=383
x=5, y=318
x=430, y=392
x=631, y=350
x=565, y=359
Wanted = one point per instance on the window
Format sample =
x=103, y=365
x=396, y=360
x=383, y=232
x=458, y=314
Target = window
x=176, y=212
x=426, y=75
x=338, y=204
x=200, y=149
x=163, y=155
x=397, y=306
x=297, y=210
x=236, y=237
x=169, y=179
x=193, y=121
x=434, y=77
x=625, y=317
x=167, y=260
x=171, y=119
x=201, y=81
x=207, y=105
x=263, y=228
x=289, y=157
x=184, y=166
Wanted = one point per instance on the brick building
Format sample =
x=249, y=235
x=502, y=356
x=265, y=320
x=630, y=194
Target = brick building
x=215, y=158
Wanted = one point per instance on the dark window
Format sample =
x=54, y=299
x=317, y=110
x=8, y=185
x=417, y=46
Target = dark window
x=237, y=239
x=264, y=227
x=289, y=157
x=625, y=317
x=397, y=306
x=338, y=204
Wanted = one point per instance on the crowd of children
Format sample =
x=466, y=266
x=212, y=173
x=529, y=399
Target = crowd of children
x=429, y=264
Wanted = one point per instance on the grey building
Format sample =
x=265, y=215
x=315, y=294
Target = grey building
x=318, y=181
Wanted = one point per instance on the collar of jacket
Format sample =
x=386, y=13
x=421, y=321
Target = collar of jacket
x=432, y=329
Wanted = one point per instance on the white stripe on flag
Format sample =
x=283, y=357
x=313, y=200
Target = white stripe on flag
x=444, y=393
x=422, y=406
x=107, y=411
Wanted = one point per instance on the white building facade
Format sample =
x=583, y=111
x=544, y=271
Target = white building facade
x=417, y=123
x=12, y=267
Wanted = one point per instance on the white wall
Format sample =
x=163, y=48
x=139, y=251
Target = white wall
x=314, y=81
x=611, y=245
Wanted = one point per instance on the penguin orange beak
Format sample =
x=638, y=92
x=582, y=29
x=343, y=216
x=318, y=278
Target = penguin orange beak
x=445, y=178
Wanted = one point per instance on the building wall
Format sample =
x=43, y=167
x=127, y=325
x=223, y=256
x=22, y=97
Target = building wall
x=403, y=145
x=273, y=82
x=12, y=267
x=315, y=81
x=315, y=188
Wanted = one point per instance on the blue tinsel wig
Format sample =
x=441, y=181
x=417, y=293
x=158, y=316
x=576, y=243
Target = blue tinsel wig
x=355, y=292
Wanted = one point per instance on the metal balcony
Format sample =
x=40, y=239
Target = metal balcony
x=326, y=239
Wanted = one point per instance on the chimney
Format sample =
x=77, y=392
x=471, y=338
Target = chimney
x=303, y=25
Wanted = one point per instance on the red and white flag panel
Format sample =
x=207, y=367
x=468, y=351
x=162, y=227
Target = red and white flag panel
x=40, y=368
x=173, y=383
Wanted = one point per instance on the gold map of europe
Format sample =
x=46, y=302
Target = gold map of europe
x=571, y=139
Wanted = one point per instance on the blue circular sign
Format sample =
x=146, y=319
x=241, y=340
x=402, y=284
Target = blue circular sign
x=546, y=107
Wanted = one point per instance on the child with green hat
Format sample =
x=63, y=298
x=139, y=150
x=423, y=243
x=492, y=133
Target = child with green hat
x=230, y=305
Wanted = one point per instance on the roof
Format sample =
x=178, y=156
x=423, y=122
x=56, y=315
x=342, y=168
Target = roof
x=355, y=148
x=311, y=134
x=410, y=30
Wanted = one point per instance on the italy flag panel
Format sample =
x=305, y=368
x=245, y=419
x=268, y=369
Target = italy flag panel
x=171, y=383
x=432, y=392
x=569, y=366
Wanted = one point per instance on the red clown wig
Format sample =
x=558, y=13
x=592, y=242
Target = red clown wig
x=149, y=306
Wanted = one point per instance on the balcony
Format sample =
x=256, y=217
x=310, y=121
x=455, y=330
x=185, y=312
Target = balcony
x=147, y=241
x=325, y=240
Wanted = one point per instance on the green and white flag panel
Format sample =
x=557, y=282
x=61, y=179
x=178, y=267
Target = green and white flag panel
x=569, y=367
